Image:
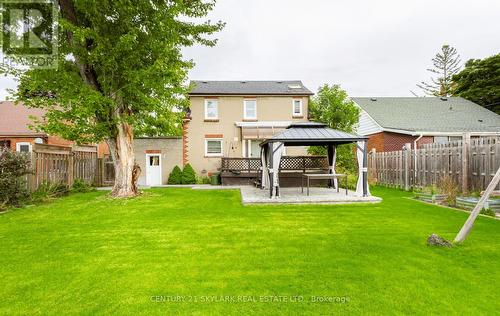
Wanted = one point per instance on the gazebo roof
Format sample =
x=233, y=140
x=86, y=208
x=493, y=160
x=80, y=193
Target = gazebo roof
x=312, y=133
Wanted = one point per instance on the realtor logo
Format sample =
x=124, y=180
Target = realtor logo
x=29, y=33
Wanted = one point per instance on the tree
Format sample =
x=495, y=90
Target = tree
x=333, y=107
x=479, y=82
x=175, y=176
x=120, y=72
x=446, y=64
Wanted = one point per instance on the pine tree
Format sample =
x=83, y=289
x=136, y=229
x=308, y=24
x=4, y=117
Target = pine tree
x=446, y=64
x=188, y=175
x=175, y=176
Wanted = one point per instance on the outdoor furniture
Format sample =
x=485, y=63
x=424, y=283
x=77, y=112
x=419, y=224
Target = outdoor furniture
x=323, y=176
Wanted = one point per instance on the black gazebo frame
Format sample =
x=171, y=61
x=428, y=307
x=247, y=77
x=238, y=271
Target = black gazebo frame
x=311, y=134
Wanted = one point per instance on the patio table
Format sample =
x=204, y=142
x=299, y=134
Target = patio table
x=323, y=176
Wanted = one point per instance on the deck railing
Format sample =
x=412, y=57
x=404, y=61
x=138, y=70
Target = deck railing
x=288, y=163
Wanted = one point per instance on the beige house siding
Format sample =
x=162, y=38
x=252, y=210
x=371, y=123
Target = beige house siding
x=170, y=149
x=230, y=111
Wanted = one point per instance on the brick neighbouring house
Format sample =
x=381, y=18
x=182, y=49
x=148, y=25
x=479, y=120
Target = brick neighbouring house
x=16, y=134
x=391, y=122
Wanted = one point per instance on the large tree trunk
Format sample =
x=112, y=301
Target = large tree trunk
x=126, y=170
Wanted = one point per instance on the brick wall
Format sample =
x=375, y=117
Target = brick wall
x=386, y=141
x=376, y=141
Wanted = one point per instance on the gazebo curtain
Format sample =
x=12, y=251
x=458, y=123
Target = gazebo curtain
x=362, y=188
x=331, y=155
x=277, y=152
x=264, y=176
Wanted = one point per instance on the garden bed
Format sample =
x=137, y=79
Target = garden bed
x=430, y=197
x=468, y=203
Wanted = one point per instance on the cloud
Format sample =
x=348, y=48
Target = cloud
x=371, y=48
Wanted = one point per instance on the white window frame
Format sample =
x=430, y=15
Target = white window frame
x=245, y=109
x=207, y=154
x=19, y=144
x=293, y=108
x=216, y=109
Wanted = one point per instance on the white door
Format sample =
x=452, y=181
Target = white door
x=153, y=169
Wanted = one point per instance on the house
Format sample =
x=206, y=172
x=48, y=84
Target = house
x=15, y=132
x=391, y=122
x=231, y=119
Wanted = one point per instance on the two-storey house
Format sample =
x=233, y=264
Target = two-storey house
x=231, y=119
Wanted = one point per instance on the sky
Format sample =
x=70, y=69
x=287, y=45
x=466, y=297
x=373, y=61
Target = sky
x=370, y=48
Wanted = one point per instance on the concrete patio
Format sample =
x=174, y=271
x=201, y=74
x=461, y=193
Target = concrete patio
x=317, y=195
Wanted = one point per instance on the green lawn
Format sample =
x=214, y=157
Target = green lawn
x=87, y=254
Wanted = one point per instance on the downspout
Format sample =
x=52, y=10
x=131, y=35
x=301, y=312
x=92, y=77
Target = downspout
x=415, y=157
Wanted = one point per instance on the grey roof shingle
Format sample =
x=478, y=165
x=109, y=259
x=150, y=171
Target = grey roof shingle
x=294, y=87
x=430, y=114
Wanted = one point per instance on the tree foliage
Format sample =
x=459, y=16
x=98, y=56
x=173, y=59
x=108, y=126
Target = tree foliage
x=445, y=64
x=120, y=73
x=479, y=82
x=332, y=106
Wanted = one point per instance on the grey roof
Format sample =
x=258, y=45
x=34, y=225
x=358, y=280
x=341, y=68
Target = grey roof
x=430, y=114
x=311, y=133
x=294, y=87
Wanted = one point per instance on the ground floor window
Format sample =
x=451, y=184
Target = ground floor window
x=213, y=147
x=23, y=147
x=252, y=148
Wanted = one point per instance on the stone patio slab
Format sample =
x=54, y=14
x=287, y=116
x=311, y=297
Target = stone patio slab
x=252, y=195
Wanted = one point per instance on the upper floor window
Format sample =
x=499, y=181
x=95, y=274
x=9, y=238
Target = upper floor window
x=297, y=107
x=250, y=109
x=211, y=109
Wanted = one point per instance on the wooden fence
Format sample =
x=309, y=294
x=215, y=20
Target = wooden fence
x=61, y=164
x=471, y=164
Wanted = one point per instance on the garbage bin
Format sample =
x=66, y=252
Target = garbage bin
x=215, y=179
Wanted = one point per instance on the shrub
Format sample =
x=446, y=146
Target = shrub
x=175, y=176
x=13, y=167
x=48, y=191
x=80, y=186
x=448, y=187
x=488, y=212
x=203, y=180
x=188, y=175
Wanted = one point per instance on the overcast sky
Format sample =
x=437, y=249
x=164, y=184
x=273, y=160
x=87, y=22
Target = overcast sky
x=371, y=48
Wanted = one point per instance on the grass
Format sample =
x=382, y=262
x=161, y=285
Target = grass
x=87, y=254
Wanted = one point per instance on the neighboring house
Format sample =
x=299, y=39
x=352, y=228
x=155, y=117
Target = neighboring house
x=15, y=132
x=231, y=119
x=391, y=122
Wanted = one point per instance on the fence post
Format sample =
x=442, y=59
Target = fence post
x=71, y=170
x=406, y=162
x=465, y=161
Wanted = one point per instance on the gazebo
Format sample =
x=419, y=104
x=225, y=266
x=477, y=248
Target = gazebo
x=311, y=134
